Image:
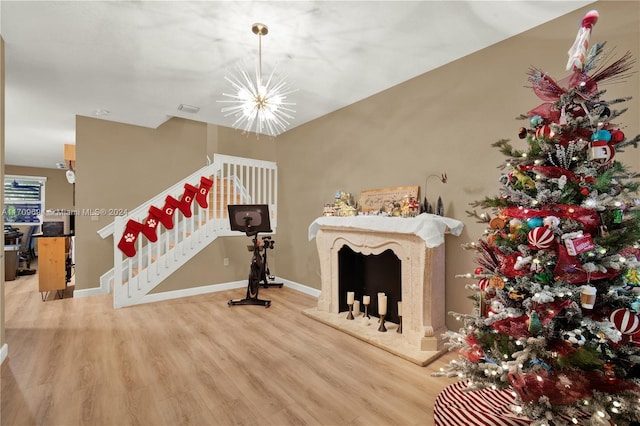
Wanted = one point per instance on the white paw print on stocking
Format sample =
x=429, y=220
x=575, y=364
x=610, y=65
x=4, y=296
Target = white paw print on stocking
x=129, y=237
x=152, y=223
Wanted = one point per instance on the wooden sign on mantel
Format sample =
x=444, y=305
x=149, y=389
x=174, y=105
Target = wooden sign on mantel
x=374, y=200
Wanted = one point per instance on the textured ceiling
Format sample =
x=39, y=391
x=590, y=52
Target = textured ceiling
x=140, y=60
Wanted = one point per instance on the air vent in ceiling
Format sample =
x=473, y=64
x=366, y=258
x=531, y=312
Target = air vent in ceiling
x=61, y=166
x=188, y=108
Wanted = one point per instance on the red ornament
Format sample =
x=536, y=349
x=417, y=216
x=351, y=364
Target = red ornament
x=625, y=321
x=483, y=284
x=541, y=237
x=545, y=132
x=616, y=136
x=478, y=270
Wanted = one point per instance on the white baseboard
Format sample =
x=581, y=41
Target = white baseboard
x=195, y=291
x=88, y=292
x=106, y=280
x=4, y=352
x=300, y=287
x=105, y=287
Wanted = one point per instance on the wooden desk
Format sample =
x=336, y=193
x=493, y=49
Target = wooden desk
x=52, y=258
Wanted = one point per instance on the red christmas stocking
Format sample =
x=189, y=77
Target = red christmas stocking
x=129, y=237
x=151, y=224
x=187, y=199
x=203, y=191
x=166, y=214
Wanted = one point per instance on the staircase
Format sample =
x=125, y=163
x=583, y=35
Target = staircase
x=236, y=180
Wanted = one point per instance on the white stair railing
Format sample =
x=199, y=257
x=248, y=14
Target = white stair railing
x=236, y=180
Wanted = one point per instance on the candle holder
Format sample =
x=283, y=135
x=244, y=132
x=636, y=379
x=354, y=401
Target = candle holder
x=366, y=311
x=399, y=330
x=350, y=314
x=382, y=328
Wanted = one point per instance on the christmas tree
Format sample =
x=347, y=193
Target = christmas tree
x=557, y=287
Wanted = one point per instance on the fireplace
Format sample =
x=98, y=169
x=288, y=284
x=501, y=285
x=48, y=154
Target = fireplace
x=418, y=244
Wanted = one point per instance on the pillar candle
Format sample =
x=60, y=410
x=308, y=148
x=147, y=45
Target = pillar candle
x=399, y=308
x=356, y=308
x=382, y=304
x=350, y=297
x=366, y=300
x=380, y=296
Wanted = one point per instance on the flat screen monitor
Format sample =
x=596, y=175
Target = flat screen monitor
x=53, y=229
x=249, y=217
x=56, y=216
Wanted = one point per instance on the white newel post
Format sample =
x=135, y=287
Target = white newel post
x=118, y=229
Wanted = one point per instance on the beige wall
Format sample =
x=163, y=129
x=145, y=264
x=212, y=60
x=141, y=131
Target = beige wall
x=440, y=122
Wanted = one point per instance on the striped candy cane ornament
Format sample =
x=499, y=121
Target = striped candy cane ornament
x=578, y=51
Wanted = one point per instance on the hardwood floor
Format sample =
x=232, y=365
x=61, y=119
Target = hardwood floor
x=195, y=361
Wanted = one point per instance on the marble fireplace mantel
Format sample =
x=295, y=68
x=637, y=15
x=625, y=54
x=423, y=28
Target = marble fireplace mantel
x=419, y=244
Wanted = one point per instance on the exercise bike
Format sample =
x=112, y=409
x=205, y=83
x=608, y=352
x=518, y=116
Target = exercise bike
x=266, y=279
x=252, y=219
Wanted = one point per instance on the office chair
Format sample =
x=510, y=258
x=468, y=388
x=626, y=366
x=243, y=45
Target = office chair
x=27, y=253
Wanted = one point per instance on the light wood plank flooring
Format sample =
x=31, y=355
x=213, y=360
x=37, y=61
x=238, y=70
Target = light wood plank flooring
x=195, y=361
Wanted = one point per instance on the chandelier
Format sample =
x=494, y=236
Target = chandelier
x=258, y=105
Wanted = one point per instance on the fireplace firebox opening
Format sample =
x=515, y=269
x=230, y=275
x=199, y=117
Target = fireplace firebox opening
x=369, y=275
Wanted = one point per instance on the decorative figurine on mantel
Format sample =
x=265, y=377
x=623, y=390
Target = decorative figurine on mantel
x=343, y=204
x=439, y=207
x=410, y=207
x=328, y=210
x=394, y=209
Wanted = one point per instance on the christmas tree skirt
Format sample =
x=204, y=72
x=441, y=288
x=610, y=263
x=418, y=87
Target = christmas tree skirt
x=456, y=406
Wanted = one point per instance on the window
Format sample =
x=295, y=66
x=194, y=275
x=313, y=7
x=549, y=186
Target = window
x=23, y=200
